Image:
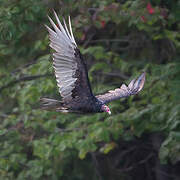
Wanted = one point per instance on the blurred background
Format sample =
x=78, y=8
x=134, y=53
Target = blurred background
x=119, y=40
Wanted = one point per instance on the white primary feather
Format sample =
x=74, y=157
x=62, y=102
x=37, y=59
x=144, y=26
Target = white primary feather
x=64, y=60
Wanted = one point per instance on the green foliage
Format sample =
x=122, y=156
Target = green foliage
x=118, y=44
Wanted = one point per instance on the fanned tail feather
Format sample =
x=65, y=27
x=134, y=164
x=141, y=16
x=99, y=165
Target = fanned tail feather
x=52, y=104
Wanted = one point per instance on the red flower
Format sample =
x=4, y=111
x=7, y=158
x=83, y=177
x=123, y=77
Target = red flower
x=103, y=23
x=150, y=9
x=143, y=19
x=58, y=26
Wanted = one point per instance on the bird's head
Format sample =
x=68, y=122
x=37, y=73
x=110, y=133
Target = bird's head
x=105, y=108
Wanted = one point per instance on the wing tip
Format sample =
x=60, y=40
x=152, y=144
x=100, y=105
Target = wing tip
x=68, y=34
x=141, y=81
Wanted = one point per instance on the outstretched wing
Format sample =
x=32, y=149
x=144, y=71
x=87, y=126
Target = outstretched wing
x=70, y=69
x=124, y=91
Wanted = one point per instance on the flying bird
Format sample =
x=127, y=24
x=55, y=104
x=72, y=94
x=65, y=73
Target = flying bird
x=72, y=76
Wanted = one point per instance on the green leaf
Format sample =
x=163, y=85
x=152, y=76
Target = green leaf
x=82, y=154
x=108, y=147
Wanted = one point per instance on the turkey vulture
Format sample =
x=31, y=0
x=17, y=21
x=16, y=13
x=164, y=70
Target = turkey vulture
x=72, y=77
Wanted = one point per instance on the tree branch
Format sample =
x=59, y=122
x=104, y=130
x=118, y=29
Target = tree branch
x=34, y=61
x=110, y=40
x=97, y=168
x=114, y=74
x=136, y=164
x=24, y=78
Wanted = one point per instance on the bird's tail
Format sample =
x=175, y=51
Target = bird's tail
x=52, y=104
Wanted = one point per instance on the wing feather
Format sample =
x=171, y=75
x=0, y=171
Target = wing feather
x=71, y=31
x=66, y=29
x=134, y=87
x=70, y=70
x=60, y=33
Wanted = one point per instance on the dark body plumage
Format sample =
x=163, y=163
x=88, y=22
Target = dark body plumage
x=72, y=77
